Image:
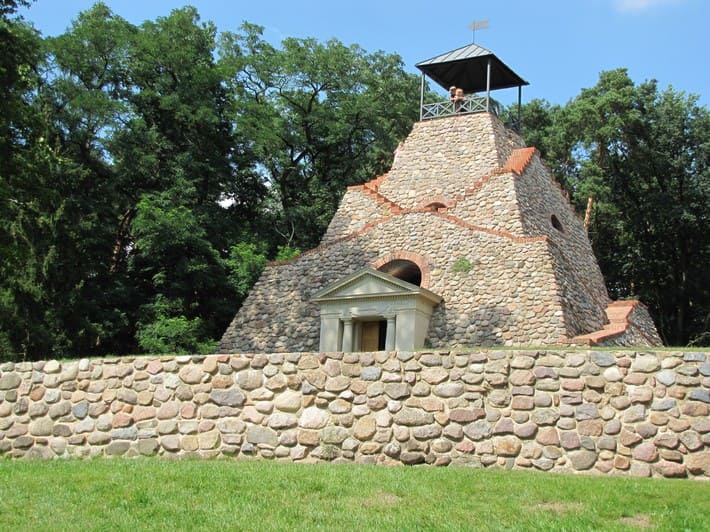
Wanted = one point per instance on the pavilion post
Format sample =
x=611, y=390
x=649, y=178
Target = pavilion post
x=421, y=99
x=520, y=99
x=488, y=86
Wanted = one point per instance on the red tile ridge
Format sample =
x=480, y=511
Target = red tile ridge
x=518, y=161
x=379, y=198
x=401, y=211
x=618, y=314
x=504, y=234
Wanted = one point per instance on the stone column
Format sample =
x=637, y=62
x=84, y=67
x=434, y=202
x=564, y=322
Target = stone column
x=329, y=326
x=405, y=332
x=347, y=335
x=390, y=336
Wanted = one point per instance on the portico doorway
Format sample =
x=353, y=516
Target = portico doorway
x=373, y=335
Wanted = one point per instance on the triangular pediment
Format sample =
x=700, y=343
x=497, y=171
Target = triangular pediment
x=369, y=282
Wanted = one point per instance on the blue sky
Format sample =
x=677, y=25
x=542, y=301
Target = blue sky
x=559, y=46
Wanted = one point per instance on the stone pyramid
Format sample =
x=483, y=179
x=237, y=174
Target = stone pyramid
x=467, y=241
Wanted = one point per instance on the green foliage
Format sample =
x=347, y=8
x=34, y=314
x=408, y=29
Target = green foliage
x=319, y=116
x=144, y=184
x=173, y=335
x=462, y=265
x=245, y=264
x=27, y=242
x=287, y=253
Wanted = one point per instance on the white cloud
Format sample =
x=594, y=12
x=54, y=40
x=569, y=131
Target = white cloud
x=637, y=6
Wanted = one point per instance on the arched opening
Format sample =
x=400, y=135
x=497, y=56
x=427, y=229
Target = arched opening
x=403, y=269
x=433, y=203
x=400, y=258
x=435, y=206
x=556, y=223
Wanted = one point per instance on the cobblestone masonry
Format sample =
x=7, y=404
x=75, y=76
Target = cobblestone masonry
x=582, y=285
x=533, y=278
x=443, y=157
x=478, y=309
x=630, y=413
x=357, y=208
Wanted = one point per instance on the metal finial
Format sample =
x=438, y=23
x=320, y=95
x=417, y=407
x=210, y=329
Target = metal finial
x=478, y=25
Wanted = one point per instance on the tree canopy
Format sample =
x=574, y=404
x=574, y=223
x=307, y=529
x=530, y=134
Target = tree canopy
x=319, y=117
x=642, y=153
x=150, y=171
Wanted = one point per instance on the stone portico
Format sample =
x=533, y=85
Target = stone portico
x=374, y=311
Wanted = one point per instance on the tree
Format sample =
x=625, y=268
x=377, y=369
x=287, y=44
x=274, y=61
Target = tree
x=642, y=154
x=144, y=184
x=318, y=117
x=24, y=164
x=179, y=150
x=128, y=138
x=83, y=95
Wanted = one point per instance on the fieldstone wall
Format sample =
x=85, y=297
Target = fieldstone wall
x=583, y=290
x=604, y=412
x=441, y=158
x=508, y=296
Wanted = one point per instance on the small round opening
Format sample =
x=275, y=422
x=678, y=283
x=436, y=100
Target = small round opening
x=556, y=223
x=403, y=269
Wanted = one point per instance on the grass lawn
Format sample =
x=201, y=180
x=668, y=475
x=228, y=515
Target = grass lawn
x=158, y=494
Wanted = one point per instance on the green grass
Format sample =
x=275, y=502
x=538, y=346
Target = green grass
x=158, y=494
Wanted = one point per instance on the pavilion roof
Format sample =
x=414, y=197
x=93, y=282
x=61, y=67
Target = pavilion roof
x=466, y=68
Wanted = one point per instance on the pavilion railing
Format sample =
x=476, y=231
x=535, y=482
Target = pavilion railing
x=469, y=105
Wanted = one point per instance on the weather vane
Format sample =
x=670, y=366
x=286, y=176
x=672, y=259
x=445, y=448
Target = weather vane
x=478, y=25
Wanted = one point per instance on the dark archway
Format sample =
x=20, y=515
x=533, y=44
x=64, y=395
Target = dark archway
x=403, y=269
